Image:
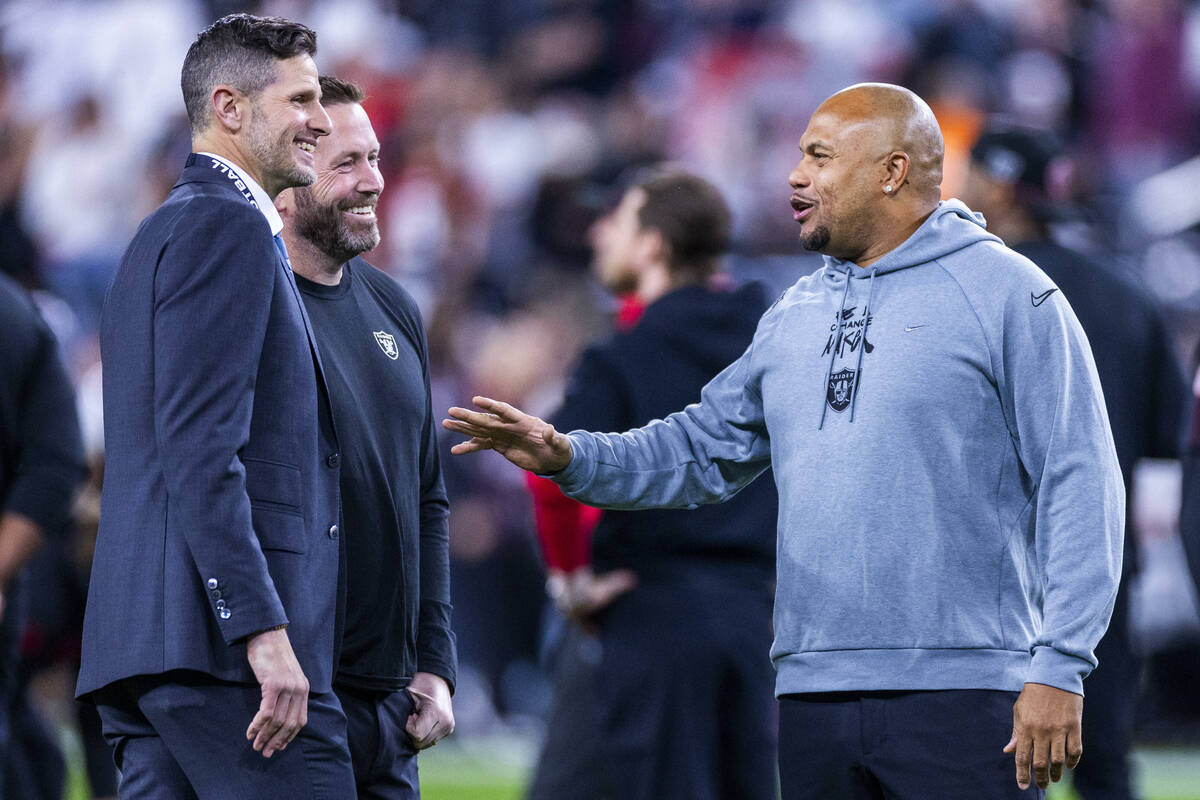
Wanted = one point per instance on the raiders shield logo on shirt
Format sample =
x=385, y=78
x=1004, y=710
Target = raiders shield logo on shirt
x=841, y=389
x=387, y=343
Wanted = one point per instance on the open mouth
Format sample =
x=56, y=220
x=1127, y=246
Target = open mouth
x=307, y=146
x=801, y=208
x=365, y=211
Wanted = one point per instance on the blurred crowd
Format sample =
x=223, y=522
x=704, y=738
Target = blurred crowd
x=504, y=128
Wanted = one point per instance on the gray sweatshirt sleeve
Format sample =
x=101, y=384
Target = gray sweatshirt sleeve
x=1055, y=411
x=702, y=454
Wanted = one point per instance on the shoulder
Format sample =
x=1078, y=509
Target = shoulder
x=386, y=288
x=988, y=272
x=23, y=324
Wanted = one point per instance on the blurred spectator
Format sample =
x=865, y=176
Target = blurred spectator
x=41, y=465
x=675, y=685
x=1018, y=180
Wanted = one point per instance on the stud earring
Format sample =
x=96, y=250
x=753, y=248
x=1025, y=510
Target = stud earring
x=888, y=188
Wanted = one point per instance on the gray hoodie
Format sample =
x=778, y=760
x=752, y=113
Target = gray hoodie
x=950, y=503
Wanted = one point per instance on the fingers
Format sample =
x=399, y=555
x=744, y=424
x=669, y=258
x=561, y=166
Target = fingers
x=281, y=716
x=504, y=411
x=1041, y=761
x=1074, y=748
x=1058, y=756
x=473, y=445
x=1022, y=745
x=426, y=726
x=609, y=587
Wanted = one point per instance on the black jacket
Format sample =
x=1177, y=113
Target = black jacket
x=681, y=342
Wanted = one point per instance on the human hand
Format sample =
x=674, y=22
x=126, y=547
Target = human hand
x=433, y=717
x=581, y=594
x=1046, y=733
x=284, y=708
x=525, y=440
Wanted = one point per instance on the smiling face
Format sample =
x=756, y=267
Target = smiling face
x=286, y=121
x=337, y=212
x=837, y=183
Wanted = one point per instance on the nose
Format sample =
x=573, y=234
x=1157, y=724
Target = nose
x=319, y=122
x=370, y=179
x=797, y=177
x=597, y=230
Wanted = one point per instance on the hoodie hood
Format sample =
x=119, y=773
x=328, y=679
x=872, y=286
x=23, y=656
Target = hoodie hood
x=951, y=227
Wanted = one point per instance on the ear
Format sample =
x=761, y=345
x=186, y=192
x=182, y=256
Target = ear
x=285, y=204
x=652, y=247
x=895, y=171
x=230, y=108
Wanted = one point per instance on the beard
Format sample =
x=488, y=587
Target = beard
x=276, y=158
x=324, y=225
x=818, y=240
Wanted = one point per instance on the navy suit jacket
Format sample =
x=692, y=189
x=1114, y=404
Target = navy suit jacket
x=220, y=496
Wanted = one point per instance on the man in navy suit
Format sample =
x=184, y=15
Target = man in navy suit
x=214, y=608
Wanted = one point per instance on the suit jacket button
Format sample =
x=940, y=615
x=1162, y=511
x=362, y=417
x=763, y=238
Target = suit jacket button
x=225, y=613
x=333, y=531
x=212, y=583
x=216, y=594
x=220, y=604
x=333, y=459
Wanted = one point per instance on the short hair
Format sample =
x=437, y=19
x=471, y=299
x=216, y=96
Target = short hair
x=692, y=216
x=238, y=50
x=336, y=92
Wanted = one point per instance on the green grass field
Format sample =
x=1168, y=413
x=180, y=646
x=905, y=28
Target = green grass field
x=497, y=768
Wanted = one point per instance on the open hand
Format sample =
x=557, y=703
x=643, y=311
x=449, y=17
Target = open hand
x=284, y=708
x=1046, y=733
x=525, y=440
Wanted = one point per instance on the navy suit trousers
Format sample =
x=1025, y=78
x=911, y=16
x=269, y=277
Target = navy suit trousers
x=182, y=736
x=898, y=745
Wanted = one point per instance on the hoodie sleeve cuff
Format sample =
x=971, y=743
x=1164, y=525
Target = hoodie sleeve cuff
x=578, y=473
x=1058, y=669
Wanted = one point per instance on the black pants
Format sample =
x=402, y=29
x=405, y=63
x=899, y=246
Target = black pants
x=182, y=736
x=678, y=704
x=1111, y=692
x=385, y=760
x=898, y=746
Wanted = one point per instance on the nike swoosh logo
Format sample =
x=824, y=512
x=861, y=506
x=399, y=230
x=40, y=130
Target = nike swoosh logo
x=1037, y=300
x=910, y=328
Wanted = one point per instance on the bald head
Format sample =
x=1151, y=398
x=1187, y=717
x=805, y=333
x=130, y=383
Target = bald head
x=870, y=172
x=898, y=120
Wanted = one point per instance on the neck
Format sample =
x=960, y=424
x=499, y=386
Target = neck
x=308, y=261
x=228, y=148
x=660, y=279
x=895, y=234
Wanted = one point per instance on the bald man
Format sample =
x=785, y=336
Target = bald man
x=951, y=506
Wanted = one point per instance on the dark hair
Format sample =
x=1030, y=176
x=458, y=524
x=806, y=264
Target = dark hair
x=691, y=215
x=238, y=50
x=335, y=91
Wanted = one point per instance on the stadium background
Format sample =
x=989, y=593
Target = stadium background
x=504, y=125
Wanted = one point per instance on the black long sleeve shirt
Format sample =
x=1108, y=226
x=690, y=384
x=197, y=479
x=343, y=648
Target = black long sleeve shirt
x=41, y=450
x=394, y=509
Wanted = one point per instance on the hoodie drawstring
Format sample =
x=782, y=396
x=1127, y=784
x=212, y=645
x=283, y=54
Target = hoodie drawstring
x=863, y=348
x=833, y=353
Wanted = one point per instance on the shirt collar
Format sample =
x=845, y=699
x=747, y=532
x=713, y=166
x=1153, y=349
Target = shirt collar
x=260, y=197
